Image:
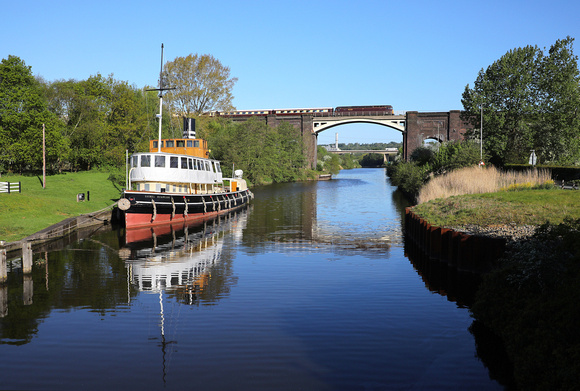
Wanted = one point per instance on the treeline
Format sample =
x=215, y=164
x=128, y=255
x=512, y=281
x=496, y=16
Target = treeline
x=88, y=123
x=368, y=146
x=92, y=123
x=266, y=154
x=331, y=163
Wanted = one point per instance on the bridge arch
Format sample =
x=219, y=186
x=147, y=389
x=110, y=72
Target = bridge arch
x=320, y=124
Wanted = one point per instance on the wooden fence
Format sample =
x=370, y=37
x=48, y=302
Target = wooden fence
x=10, y=187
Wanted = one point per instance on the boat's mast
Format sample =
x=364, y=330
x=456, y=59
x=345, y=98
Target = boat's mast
x=160, y=101
x=160, y=89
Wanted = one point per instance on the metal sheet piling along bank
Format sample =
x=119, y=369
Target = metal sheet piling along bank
x=176, y=181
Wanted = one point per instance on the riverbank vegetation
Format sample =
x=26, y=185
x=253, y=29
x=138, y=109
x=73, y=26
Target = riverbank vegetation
x=529, y=101
x=531, y=302
x=478, y=179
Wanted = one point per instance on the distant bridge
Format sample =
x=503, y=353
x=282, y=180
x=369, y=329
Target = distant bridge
x=385, y=152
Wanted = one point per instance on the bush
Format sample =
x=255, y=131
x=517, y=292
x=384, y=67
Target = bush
x=531, y=302
x=408, y=177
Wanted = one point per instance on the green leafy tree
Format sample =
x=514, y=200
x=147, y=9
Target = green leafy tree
x=530, y=101
x=372, y=160
x=508, y=92
x=454, y=155
x=23, y=111
x=558, y=128
x=264, y=153
x=201, y=84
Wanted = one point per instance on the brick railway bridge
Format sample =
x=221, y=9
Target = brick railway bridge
x=415, y=127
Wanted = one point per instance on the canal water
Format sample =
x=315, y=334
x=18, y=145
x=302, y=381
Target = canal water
x=308, y=288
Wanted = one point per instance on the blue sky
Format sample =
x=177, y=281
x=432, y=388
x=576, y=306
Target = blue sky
x=413, y=55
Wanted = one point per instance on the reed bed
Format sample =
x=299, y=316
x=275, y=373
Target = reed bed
x=476, y=180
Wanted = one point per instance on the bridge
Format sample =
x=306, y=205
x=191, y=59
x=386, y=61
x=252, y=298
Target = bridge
x=396, y=122
x=414, y=126
x=385, y=152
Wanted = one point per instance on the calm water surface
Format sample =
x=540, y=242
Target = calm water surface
x=309, y=288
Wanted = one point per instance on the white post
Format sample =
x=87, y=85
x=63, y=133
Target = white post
x=3, y=266
x=26, y=257
x=43, y=158
x=127, y=169
x=481, y=136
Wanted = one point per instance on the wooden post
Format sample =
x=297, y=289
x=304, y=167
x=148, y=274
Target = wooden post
x=27, y=257
x=43, y=158
x=3, y=300
x=27, y=290
x=3, y=267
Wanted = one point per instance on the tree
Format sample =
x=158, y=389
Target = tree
x=264, y=153
x=201, y=84
x=530, y=101
x=557, y=137
x=23, y=111
x=507, y=90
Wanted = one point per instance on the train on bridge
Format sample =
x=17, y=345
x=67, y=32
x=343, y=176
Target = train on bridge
x=341, y=111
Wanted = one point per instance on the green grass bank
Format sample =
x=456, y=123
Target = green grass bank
x=518, y=207
x=35, y=208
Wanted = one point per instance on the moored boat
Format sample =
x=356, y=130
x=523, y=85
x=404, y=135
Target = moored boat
x=177, y=181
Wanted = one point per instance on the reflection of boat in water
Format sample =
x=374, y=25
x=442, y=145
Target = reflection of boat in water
x=182, y=261
x=180, y=257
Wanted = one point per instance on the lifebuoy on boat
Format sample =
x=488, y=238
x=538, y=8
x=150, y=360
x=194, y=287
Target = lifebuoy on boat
x=124, y=204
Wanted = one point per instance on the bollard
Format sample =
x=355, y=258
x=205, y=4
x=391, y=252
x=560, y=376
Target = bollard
x=3, y=267
x=26, y=257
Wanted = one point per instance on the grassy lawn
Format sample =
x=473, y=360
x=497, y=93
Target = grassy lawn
x=523, y=207
x=22, y=214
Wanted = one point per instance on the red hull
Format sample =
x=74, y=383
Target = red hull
x=139, y=225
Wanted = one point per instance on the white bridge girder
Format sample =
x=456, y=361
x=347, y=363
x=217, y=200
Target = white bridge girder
x=396, y=122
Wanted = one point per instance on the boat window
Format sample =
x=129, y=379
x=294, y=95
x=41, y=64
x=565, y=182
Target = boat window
x=184, y=163
x=191, y=164
x=180, y=143
x=155, y=144
x=173, y=162
x=199, y=165
x=189, y=143
x=196, y=143
x=217, y=167
x=170, y=143
x=159, y=161
x=145, y=160
x=134, y=161
x=147, y=187
x=207, y=166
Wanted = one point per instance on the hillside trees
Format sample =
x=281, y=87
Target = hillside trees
x=530, y=101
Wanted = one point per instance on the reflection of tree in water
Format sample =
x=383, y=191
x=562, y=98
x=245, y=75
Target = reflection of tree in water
x=460, y=287
x=286, y=215
x=85, y=273
x=91, y=273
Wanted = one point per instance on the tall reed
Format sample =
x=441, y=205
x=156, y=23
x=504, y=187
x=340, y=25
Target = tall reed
x=474, y=180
